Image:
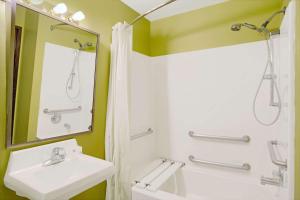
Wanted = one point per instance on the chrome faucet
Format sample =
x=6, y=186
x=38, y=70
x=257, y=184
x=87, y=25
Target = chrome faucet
x=58, y=155
x=276, y=180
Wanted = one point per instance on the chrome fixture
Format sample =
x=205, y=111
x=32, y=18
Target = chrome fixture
x=151, y=11
x=67, y=126
x=245, y=138
x=56, y=114
x=271, y=146
x=237, y=27
x=58, y=155
x=83, y=46
x=265, y=24
x=276, y=180
x=139, y=135
x=270, y=64
x=75, y=71
x=244, y=166
x=262, y=28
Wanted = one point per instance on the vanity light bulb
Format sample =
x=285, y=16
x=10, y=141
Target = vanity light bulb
x=36, y=2
x=60, y=9
x=78, y=16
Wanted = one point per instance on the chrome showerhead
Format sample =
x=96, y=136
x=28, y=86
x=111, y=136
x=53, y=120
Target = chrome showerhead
x=237, y=27
x=83, y=46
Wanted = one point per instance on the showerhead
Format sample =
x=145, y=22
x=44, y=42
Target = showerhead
x=237, y=27
x=89, y=44
x=262, y=28
x=77, y=41
x=83, y=46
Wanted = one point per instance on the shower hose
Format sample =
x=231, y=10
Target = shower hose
x=268, y=64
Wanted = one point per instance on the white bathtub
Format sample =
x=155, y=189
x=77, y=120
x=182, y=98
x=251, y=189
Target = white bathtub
x=191, y=184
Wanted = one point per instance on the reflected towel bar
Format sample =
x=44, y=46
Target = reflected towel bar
x=50, y=112
x=139, y=135
x=275, y=160
x=245, y=138
x=244, y=166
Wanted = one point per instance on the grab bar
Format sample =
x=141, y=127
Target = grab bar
x=244, y=166
x=139, y=135
x=273, y=156
x=245, y=138
x=50, y=112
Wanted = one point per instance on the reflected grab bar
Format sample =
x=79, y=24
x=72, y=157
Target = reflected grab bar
x=245, y=138
x=273, y=156
x=244, y=166
x=139, y=135
x=50, y=112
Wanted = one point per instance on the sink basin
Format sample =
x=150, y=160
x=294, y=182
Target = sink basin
x=27, y=175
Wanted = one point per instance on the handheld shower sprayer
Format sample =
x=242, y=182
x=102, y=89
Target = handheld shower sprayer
x=269, y=65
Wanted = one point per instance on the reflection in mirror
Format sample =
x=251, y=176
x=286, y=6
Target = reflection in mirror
x=53, y=79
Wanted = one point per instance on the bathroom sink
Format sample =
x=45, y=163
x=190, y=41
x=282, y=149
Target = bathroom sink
x=34, y=180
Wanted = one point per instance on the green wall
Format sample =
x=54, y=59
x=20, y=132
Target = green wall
x=210, y=27
x=28, y=20
x=101, y=15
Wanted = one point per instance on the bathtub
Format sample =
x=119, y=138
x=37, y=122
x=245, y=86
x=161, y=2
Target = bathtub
x=190, y=183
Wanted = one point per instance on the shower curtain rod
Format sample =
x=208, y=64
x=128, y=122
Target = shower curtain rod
x=151, y=11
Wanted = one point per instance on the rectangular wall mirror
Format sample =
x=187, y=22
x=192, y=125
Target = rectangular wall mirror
x=53, y=78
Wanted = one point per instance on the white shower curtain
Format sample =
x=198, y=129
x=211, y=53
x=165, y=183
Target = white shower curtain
x=117, y=119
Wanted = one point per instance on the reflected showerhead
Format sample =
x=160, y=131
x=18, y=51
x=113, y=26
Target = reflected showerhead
x=237, y=27
x=89, y=44
x=83, y=46
x=77, y=41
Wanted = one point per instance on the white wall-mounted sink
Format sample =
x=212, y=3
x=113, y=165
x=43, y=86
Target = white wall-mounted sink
x=29, y=177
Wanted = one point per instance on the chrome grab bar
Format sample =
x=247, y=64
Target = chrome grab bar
x=244, y=166
x=275, y=160
x=51, y=112
x=139, y=135
x=245, y=138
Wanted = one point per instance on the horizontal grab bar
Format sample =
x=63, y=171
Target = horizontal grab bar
x=273, y=156
x=139, y=135
x=50, y=112
x=245, y=138
x=244, y=166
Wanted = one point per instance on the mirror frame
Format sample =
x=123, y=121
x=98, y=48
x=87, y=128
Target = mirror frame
x=12, y=4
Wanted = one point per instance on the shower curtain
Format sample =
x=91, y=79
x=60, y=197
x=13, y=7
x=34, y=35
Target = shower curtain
x=117, y=119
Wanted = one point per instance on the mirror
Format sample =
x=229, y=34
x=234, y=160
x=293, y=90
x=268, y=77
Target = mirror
x=53, y=78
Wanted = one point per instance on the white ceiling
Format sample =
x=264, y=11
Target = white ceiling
x=178, y=7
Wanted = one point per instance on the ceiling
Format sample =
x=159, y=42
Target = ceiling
x=178, y=7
